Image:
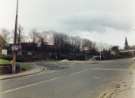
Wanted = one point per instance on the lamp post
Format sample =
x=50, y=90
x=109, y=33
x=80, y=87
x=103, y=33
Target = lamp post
x=15, y=46
x=100, y=53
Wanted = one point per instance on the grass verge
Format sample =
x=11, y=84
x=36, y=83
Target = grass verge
x=25, y=67
x=2, y=62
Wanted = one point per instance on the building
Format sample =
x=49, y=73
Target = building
x=128, y=51
x=126, y=44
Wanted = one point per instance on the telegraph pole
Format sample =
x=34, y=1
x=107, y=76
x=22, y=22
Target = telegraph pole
x=15, y=46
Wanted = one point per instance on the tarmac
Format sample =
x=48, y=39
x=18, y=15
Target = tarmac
x=124, y=88
x=127, y=87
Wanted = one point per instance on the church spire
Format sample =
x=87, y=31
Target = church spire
x=126, y=43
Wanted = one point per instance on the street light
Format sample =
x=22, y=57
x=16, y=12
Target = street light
x=100, y=53
x=15, y=46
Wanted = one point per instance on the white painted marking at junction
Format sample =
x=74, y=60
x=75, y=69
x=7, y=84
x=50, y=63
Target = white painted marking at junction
x=56, y=78
x=110, y=69
x=44, y=81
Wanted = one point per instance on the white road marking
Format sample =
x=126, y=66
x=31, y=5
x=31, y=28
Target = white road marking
x=79, y=72
x=55, y=78
x=44, y=81
x=110, y=69
x=26, y=86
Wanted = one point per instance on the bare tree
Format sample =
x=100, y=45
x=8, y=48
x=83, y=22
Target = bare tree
x=20, y=37
x=34, y=35
x=5, y=35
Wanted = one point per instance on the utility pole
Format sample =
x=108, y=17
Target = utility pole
x=15, y=46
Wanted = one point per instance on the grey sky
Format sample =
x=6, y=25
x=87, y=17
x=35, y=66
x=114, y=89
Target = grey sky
x=100, y=20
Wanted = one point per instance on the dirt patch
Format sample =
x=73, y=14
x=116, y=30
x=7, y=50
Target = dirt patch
x=115, y=89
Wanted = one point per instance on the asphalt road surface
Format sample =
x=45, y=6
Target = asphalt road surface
x=64, y=79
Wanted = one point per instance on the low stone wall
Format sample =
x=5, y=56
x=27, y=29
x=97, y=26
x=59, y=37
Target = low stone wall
x=5, y=69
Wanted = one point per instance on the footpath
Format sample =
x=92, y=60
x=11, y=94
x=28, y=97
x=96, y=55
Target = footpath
x=35, y=69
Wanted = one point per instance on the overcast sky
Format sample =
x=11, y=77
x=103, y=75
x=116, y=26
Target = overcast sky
x=106, y=21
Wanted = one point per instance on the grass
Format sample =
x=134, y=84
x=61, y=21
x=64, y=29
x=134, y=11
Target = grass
x=26, y=66
x=22, y=66
x=2, y=61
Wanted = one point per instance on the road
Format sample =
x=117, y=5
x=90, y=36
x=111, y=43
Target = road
x=64, y=79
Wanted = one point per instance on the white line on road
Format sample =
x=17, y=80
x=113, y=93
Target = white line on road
x=110, y=69
x=26, y=86
x=44, y=81
x=55, y=78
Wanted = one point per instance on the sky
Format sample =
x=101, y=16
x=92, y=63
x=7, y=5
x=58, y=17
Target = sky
x=106, y=21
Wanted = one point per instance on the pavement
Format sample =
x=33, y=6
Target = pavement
x=35, y=69
x=72, y=80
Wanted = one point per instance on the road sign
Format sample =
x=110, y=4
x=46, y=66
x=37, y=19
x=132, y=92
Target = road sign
x=15, y=47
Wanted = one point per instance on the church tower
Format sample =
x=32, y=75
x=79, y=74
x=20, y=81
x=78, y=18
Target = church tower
x=126, y=44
